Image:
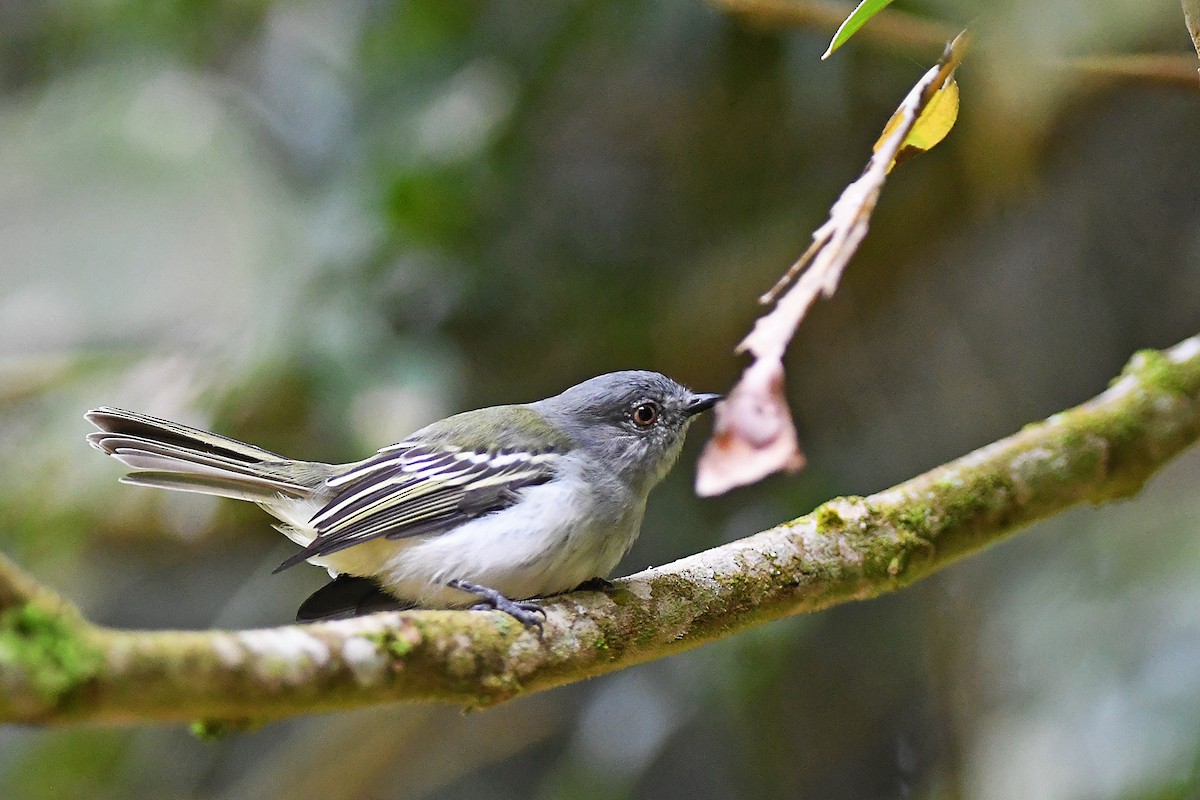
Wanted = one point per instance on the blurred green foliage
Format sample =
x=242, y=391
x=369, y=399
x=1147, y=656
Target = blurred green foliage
x=318, y=225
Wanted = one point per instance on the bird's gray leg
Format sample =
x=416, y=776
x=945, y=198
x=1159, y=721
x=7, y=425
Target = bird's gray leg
x=525, y=612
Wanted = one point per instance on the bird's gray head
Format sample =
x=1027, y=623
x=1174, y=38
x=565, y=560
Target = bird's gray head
x=633, y=422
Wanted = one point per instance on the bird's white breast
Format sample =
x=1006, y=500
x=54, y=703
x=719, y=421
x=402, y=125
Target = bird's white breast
x=548, y=542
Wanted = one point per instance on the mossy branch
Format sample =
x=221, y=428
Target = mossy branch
x=55, y=667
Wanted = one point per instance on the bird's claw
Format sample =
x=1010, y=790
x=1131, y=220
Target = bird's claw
x=526, y=612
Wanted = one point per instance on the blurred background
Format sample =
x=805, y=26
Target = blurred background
x=319, y=225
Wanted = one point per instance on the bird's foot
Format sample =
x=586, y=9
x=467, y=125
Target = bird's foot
x=526, y=612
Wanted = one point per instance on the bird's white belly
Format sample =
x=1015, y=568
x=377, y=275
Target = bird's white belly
x=541, y=546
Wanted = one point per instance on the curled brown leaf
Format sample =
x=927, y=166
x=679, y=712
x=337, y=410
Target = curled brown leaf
x=754, y=434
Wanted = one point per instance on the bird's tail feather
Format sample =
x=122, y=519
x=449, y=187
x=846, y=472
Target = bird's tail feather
x=167, y=455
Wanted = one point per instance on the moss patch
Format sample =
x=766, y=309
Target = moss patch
x=47, y=651
x=392, y=643
x=829, y=520
x=1156, y=371
x=915, y=520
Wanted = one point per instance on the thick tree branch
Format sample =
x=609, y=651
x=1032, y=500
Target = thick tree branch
x=55, y=667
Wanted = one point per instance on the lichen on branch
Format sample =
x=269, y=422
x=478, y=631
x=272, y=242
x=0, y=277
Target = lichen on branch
x=56, y=667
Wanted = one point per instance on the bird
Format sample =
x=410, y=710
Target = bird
x=487, y=509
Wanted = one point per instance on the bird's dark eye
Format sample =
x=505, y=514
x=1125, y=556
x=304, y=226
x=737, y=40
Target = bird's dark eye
x=645, y=414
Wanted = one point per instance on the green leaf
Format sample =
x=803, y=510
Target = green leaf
x=858, y=17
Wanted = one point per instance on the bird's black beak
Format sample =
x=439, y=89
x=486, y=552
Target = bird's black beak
x=701, y=402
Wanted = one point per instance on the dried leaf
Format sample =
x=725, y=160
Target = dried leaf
x=754, y=434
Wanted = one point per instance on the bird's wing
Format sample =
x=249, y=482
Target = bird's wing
x=421, y=487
